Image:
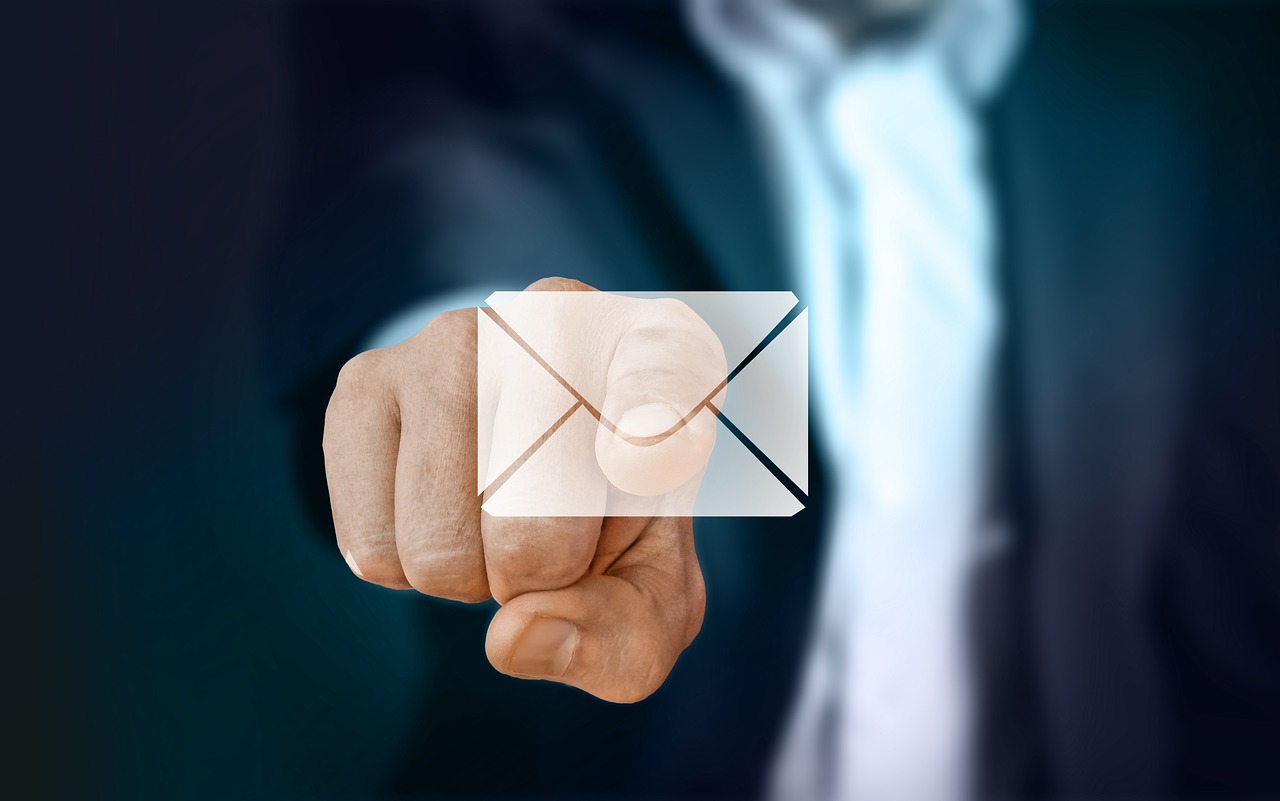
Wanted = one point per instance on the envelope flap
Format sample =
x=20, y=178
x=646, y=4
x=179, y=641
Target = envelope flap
x=741, y=320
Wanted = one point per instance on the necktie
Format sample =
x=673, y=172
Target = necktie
x=878, y=164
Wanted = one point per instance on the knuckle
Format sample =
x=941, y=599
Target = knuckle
x=535, y=555
x=515, y=571
x=362, y=373
x=455, y=577
x=451, y=325
x=558, y=284
x=530, y=572
x=671, y=323
x=361, y=392
x=450, y=342
x=675, y=317
x=676, y=312
x=373, y=563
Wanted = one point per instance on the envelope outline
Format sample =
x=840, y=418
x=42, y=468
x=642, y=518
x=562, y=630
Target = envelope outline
x=794, y=315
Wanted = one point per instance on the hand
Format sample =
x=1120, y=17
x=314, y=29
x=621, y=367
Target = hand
x=603, y=603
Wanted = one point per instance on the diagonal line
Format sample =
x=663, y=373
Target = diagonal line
x=683, y=421
x=760, y=455
x=706, y=403
x=497, y=483
x=764, y=343
x=519, y=340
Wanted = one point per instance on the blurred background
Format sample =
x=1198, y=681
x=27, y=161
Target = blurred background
x=215, y=204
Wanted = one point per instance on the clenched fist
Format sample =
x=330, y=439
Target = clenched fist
x=604, y=600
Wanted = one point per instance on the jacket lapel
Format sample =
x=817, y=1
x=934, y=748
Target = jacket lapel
x=1099, y=211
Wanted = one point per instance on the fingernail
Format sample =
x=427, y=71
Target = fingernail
x=545, y=649
x=351, y=563
x=648, y=420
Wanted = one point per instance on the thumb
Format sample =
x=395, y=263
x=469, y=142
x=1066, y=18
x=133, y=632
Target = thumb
x=615, y=635
x=656, y=432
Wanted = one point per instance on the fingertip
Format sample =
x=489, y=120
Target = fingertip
x=652, y=450
x=648, y=421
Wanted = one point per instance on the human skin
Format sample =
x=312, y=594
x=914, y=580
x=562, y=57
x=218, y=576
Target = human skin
x=604, y=604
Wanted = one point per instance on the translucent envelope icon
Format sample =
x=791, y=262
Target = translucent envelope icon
x=543, y=369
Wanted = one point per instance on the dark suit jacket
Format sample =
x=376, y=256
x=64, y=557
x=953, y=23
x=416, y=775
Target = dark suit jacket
x=1127, y=642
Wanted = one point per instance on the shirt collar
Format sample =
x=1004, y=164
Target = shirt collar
x=976, y=39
